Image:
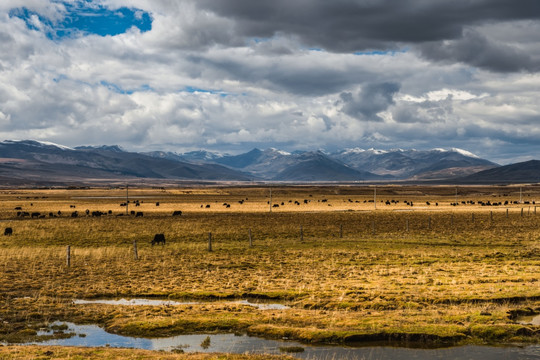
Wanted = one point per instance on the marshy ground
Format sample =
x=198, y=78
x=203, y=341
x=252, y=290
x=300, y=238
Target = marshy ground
x=349, y=269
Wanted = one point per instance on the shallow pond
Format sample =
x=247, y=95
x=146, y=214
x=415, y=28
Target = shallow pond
x=92, y=335
x=155, y=302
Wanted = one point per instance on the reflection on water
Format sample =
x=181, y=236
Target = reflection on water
x=154, y=302
x=229, y=343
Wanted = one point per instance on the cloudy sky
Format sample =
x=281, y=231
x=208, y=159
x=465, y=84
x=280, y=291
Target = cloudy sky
x=230, y=75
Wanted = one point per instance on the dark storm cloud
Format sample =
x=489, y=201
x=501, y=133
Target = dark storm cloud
x=477, y=50
x=294, y=75
x=351, y=25
x=372, y=99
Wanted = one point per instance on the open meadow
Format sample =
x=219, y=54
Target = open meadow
x=401, y=264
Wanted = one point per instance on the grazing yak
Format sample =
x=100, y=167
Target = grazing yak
x=158, y=238
x=177, y=213
x=8, y=231
x=139, y=214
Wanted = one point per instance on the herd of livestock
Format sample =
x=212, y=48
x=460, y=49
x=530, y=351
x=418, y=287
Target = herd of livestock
x=160, y=238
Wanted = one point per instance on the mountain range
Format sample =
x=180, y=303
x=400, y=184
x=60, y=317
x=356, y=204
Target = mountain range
x=33, y=162
x=38, y=163
x=346, y=165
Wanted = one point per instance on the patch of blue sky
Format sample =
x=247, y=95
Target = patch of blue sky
x=381, y=52
x=60, y=78
x=192, y=90
x=120, y=90
x=85, y=18
x=258, y=40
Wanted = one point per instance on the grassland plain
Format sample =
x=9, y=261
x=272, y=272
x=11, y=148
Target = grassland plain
x=350, y=269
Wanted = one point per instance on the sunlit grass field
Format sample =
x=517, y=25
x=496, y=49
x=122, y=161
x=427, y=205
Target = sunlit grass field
x=354, y=263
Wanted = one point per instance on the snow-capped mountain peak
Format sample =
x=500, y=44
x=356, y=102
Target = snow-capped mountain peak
x=362, y=151
x=37, y=143
x=202, y=154
x=465, y=153
x=376, y=151
x=353, y=151
x=114, y=148
x=459, y=151
x=406, y=163
x=280, y=152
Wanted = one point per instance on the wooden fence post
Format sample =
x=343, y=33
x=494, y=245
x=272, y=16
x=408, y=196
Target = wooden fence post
x=209, y=241
x=491, y=215
x=507, y=213
x=521, y=212
x=407, y=223
x=341, y=231
x=250, y=240
x=135, y=253
x=452, y=220
x=68, y=256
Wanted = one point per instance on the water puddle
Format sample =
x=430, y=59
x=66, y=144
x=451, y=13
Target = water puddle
x=94, y=336
x=154, y=302
x=529, y=320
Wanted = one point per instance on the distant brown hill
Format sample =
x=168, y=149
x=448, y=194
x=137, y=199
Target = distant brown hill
x=38, y=163
x=523, y=172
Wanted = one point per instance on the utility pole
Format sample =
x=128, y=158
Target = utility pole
x=270, y=200
x=127, y=199
x=520, y=196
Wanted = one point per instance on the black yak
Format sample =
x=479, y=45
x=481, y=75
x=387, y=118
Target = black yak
x=158, y=238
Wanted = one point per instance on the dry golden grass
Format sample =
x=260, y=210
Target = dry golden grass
x=54, y=352
x=450, y=277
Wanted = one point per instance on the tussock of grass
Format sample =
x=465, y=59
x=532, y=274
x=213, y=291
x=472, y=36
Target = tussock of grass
x=55, y=352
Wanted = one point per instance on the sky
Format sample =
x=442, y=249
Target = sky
x=231, y=75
